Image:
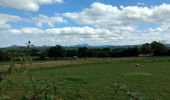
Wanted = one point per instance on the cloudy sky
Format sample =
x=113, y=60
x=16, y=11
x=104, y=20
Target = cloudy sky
x=94, y=22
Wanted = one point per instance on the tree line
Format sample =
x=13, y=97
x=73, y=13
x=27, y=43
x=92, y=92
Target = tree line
x=56, y=52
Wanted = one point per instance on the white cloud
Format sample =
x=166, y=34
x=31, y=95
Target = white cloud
x=101, y=15
x=140, y=3
x=64, y=36
x=96, y=15
x=6, y=19
x=103, y=24
x=25, y=30
x=125, y=21
x=30, y=5
x=86, y=34
x=40, y=20
x=76, y=35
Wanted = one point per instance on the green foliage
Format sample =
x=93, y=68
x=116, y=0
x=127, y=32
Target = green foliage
x=130, y=52
x=146, y=49
x=56, y=51
x=82, y=52
x=71, y=53
x=97, y=80
x=158, y=49
x=3, y=55
x=168, y=52
x=34, y=52
x=102, y=54
x=125, y=52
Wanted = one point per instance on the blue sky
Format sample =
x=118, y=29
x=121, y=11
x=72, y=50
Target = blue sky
x=94, y=22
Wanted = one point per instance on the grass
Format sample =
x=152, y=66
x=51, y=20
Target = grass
x=95, y=80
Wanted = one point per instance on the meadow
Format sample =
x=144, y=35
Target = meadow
x=93, y=79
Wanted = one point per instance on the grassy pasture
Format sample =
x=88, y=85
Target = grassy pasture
x=95, y=79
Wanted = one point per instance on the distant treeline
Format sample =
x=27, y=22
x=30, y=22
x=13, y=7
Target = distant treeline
x=56, y=52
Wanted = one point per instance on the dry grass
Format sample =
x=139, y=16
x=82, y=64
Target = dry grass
x=4, y=68
x=56, y=63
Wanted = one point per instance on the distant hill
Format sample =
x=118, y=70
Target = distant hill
x=75, y=46
x=18, y=46
x=100, y=46
x=78, y=46
x=82, y=45
x=14, y=46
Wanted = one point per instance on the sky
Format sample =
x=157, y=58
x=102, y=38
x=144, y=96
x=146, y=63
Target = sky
x=93, y=22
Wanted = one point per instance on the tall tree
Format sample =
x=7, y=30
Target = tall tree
x=57, y=51
x=158, y=49
x=146, y=49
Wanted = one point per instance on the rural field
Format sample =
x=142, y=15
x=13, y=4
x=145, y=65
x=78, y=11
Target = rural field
x=93, y=79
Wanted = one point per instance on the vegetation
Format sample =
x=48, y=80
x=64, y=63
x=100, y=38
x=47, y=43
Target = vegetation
x=146, y=49
x=106, y=78
x=96, y=73
x=57, y=52
x=158, y=48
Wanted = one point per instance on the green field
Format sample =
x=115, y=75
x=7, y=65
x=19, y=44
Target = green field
x=97, y=80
